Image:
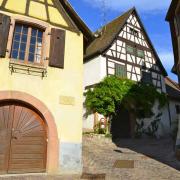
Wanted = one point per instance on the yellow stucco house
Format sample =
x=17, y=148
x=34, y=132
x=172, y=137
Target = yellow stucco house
x=41, y=74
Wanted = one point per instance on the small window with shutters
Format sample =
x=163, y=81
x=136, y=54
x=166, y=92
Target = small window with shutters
x=57, y=48
x=27, y=44
x=4, y=32
x=120, y=70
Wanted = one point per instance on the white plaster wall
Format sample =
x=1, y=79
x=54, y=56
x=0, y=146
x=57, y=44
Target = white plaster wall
x=163, y=84
x=164, y=126
x=94, y=72
x=172, y=107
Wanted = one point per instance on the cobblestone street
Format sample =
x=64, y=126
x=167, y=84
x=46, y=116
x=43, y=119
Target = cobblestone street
x=153, y=160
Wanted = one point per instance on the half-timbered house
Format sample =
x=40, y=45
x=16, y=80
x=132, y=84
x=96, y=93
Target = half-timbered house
x=41, y=70
x=123, y=48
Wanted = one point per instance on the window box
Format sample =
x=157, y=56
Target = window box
x=30, y=69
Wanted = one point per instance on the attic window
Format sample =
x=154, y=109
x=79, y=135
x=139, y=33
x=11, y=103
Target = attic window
x=27, y=44
x=134, y=32
x=140, y=53
x=130, y=49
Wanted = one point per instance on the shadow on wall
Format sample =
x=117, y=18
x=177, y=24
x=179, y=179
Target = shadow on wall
x=124, y=123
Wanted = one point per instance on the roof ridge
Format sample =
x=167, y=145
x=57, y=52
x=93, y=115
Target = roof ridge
x=173, y=82
x=117, y=18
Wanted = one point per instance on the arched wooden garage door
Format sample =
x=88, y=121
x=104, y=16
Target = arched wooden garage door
x=23, y=140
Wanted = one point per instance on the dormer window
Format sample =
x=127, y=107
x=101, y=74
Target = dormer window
x=134, y=32
x=27, y=44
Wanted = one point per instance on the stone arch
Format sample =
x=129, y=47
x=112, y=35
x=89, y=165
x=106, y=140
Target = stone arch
x=53, y=143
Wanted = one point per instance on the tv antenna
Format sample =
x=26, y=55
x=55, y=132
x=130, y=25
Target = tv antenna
x=103, y=12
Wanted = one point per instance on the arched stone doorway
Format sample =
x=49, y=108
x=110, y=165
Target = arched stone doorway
x=36, y=108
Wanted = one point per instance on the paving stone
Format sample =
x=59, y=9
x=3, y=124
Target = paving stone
x=153, y=159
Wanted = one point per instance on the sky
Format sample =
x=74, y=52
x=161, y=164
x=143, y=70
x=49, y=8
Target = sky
x=96, y=13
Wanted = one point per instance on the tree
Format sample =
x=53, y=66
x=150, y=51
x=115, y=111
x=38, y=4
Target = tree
x=110, y=93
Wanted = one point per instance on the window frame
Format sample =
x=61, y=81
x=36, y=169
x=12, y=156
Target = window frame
x=142, y=79
x=45, y=43
x=138, y=50
x=134, y=32
x=30, y=26
x=134, y=49
x=124, y=66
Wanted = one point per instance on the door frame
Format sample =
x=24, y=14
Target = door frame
x=52, y=164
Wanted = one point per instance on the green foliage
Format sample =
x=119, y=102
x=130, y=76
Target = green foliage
x=107, y=95
x=137, y=98
x=108, y=135
x=99, y=130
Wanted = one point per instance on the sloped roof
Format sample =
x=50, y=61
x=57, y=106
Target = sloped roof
x=170, y=17
x=172, y=8
x=109, y=32
x=173, y=89
x=77, y=20
x=61, y=8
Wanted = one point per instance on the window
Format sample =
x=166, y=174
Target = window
x=27, y=44
x=146, y=77
x=134, y=32
x=130, y=49
x=120, y=70
x=140, y=53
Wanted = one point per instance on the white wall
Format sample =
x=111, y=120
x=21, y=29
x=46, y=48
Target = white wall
x=94, y=72
x=172, y=106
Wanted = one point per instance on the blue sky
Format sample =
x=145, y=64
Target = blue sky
x=152, y=13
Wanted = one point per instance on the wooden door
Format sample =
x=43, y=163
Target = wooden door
x=120, y=124
x=25, y=140
x=6, y=120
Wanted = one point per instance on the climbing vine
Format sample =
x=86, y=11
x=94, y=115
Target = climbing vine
x=111, y=92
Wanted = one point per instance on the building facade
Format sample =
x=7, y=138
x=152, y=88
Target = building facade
x=173, y=17
x=41, y=50
x=123, y=48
